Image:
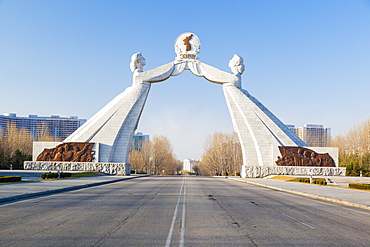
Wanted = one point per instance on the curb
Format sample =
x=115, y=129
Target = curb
x=351, y=204
x=48, y=192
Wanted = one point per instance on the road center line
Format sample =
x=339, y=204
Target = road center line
x=183, y=218
x=299, y=221
x=170, y=233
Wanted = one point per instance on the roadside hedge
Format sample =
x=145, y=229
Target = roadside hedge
x=320, y=181
x=10, y=179
x=360, y=186
x=55, y=175
x=137, y=172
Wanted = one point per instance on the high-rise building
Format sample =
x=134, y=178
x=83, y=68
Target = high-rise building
x=314, y=135
x=187, y=164
x=138, y=140
x=55, y=125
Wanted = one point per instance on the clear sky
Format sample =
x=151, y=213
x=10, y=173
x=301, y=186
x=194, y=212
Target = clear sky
x=308, y=61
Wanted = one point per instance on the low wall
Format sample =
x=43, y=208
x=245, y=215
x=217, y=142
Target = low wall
x=108, y=168
x=263, y=171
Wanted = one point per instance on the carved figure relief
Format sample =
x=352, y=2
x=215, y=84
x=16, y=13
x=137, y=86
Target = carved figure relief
x=186, y=42
x=300, y=156
x=69, y=151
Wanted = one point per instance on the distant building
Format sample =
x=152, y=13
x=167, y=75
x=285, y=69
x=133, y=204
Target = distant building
x=138, y=140
x=315, y=135
x=57, y=126
x=187, y=164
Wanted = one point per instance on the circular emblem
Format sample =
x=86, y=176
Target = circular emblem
x=187, y=46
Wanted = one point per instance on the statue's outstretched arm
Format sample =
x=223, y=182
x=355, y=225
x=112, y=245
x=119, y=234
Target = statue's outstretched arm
x=158, y=74
x=215, y=75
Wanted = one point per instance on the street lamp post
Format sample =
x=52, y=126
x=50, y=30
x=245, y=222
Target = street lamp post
x=58, y=171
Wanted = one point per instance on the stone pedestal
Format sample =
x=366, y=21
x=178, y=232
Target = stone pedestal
x=263, y=171
x=122, y=169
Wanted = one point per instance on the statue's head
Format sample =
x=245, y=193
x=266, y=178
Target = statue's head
x=66, y=146
x=236, y=65
x=137, y=62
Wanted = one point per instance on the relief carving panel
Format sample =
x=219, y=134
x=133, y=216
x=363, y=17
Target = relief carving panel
x=69, y=151
x=300, y=156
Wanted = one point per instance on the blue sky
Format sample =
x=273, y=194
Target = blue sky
x=308, y=61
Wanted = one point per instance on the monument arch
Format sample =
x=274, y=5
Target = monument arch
x=259, y=131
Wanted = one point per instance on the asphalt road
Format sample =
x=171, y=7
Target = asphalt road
x=180, y=211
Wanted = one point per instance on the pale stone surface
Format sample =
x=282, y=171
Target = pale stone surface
x=260, y=132
x=108, y=168
x=263, y=171
x=113, y=125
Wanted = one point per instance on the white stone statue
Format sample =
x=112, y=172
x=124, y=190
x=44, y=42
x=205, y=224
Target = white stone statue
x=158, y=74
x=137, y=63
x=259, y=131
x=236, y=65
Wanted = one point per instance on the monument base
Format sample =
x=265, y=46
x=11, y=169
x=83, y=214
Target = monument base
x=263, y=171
x=122, y=169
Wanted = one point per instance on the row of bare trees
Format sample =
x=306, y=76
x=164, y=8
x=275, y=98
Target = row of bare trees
x=354, y=149
x=155, y=157
x=357, y=140
x=222, y=155
x=16, y=145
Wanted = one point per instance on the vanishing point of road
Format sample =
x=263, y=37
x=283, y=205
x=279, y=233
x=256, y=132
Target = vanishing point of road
x=180, y=211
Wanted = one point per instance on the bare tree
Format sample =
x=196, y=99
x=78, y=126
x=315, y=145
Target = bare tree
x=146, y=151
x=162, y=154
x=45, y=135
x=354, y=149
x=222, y=155
x=155, y=157
x=136, y=160
x=16, y=139
x=356, y=140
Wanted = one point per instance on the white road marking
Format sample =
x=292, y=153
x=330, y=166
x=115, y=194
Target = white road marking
x=171, y=231
x=299, y=221
x=63, y=216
